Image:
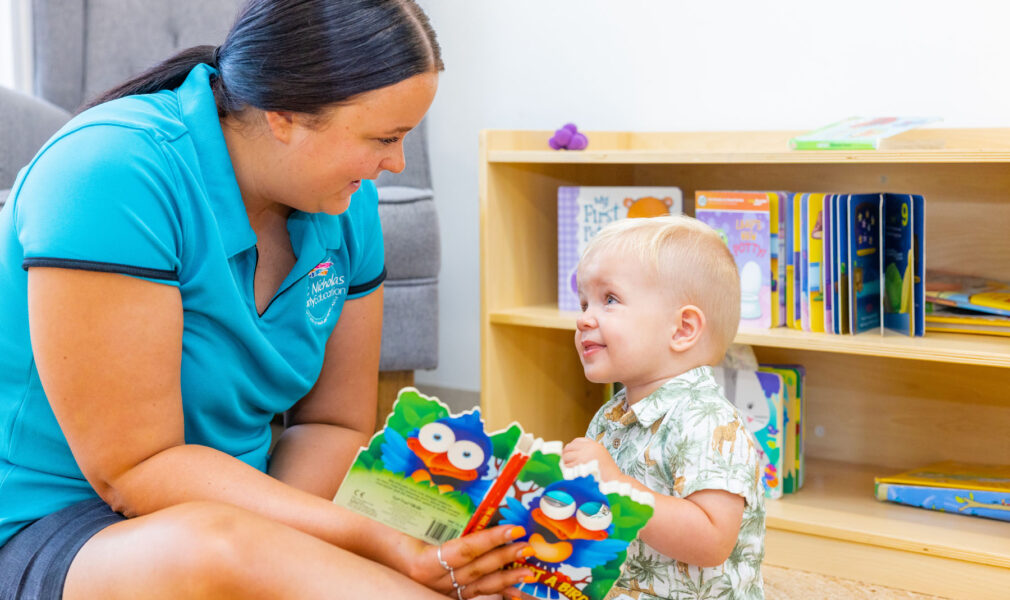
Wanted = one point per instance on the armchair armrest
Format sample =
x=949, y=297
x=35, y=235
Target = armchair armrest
x=26, y=123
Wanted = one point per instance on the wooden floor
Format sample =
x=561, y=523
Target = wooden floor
x=791, y=584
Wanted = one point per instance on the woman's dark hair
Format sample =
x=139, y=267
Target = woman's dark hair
x=303, y=55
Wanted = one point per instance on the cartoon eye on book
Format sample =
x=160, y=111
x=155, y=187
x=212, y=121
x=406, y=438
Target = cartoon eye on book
x=568, y=524
x=450, y=453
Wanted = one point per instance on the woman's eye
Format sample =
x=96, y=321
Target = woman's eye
x=594, y=516
x=557, y=505
x=436, y=437
x=389, y=140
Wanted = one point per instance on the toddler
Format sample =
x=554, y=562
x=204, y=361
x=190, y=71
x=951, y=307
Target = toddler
x=660, y=305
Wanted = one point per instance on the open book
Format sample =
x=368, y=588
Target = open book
x=435, y=475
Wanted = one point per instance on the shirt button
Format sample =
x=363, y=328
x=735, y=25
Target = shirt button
x=616, y=443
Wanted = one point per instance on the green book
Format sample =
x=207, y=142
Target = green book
x=857, y=133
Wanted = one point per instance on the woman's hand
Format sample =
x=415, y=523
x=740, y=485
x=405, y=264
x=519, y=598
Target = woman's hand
x=475, y=561
x=582, y=450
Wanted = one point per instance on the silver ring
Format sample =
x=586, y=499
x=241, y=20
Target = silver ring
x=444, y=564
x=459, y=591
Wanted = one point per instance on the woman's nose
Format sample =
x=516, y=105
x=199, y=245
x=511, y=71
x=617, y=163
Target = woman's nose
x=394, y=162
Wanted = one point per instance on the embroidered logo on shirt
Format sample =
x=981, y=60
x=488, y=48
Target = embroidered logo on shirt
x=325, y=288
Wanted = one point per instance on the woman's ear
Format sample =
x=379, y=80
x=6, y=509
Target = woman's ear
x=688, y=328
x=281, y=124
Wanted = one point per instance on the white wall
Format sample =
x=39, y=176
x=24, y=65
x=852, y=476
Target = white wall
x=15, y=44
x=674, y=65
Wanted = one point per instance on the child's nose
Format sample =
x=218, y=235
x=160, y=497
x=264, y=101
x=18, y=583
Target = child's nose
x=585, y=321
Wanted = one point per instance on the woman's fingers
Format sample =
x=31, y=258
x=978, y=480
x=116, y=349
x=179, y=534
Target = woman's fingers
x=461, y=551
x=496, y=582
x=492, y=561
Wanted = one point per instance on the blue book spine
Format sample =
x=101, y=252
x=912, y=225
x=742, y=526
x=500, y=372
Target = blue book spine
x=978, y=503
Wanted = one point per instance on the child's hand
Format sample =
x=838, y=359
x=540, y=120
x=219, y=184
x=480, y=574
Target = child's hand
x=583, y=450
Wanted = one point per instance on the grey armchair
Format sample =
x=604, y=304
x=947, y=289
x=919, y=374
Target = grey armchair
x=83, y=47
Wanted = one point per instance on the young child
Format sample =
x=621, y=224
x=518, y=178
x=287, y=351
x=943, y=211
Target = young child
x=660, y=304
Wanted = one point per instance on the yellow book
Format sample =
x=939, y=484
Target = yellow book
x=956, y=475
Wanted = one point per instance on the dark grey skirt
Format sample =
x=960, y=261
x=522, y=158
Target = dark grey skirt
x=34, y=563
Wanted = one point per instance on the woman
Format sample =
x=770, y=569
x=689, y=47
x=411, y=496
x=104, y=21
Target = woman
x=196, y=252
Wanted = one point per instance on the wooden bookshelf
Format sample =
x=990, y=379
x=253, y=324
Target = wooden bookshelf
x=875, y=404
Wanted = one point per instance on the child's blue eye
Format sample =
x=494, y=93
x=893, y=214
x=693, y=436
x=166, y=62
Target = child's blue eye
x=611, y=300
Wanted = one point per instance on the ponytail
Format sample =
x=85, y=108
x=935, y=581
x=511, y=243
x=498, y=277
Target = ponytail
x=166, y=75
x=303, y=55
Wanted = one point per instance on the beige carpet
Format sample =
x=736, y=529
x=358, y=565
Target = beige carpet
x=792, y=584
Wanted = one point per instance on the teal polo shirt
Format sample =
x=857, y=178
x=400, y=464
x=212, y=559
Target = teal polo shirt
x=144, y=186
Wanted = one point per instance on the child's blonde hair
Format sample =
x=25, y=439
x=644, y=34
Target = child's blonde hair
x=690, y=257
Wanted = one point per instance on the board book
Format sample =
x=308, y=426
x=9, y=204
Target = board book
x=435, y=475
x=956, y=487
x=965, y=291
x=758, y=398
x=584, y=210
x=959, y=320
x=857, y=133
x=744, y=221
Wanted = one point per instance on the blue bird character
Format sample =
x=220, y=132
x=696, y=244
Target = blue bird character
x=450, y=453
x=569, y=524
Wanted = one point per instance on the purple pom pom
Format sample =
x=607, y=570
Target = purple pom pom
x=570, y=127
x=578, y=142
x=553, y=142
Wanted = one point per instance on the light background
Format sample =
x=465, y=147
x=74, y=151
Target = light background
x=646, y=65
x=650, y=65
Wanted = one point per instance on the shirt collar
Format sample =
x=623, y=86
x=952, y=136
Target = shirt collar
x=199, y=113
x=656, y=405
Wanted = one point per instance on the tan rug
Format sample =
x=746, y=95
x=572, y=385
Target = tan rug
x=792, y=584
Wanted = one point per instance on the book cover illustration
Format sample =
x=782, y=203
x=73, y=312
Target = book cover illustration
x=965, y=291
x=827, y=269
x=957, y=487
x=919, y=256
x=434, y=475
x=584, y=210
x=427, y=470
x=864, y=262
x=792, y=402
x=841, y=288
x=797, y=279
x=813, y=234
x=960, y=320
x=898, y=267
x=758, y=398
x=778, y=257
x=742, y=219
x=578, y=527
x=857, y=133
x=786, y=210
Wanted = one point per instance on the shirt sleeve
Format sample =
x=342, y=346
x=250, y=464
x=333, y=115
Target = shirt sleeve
x=364, y=238
x=717, y=453
x=101, y=198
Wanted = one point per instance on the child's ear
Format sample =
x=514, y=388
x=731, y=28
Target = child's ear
x=688, y=328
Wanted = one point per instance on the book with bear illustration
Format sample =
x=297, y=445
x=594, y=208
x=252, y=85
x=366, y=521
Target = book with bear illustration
x=584, y=210
x=435, y=475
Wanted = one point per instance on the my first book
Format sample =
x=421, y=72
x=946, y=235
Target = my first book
x=435, y=475
x=956, y=487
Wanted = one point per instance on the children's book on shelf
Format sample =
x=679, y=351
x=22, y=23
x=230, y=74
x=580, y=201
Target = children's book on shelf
x=743, y=220
x=584, y=210
x=961, y=320
x=979, y=294
x=794, y=464
x=758, y=397
x=435, y=475
x=857, y=133
x=885, y=263
x=955, y=487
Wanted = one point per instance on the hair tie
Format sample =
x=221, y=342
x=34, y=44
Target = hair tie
x=216, y=57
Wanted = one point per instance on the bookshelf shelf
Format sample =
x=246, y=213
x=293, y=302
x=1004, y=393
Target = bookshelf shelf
x=940, y=347
x=889, y=401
